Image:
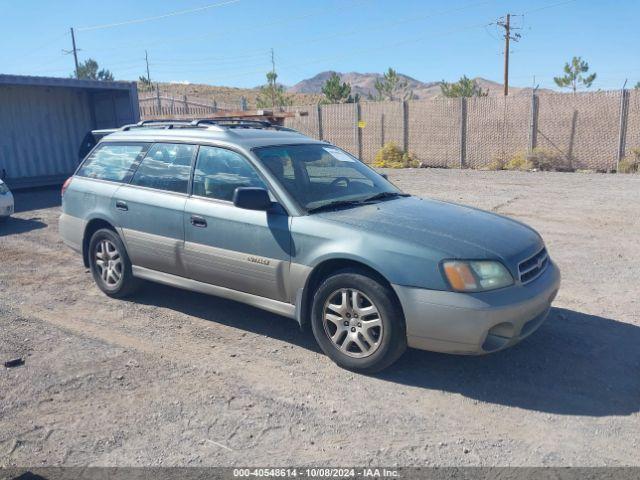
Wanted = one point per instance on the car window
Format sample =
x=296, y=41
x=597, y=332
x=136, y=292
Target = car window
x=112, y=162
x=166, y=166
x=331, y=165
x=220, y=171
x=318, y=174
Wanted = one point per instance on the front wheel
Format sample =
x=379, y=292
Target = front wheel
x=110, y=264
x=358, y=322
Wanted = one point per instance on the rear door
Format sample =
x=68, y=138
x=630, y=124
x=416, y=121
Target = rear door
x=150, y=209
x=244, y=250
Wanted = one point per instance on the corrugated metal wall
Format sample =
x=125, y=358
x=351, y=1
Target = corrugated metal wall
x=41, y=128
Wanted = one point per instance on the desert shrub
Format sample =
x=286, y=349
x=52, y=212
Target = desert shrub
x=392, y=156
x=520, y=161
x=537, y=159
x=630, y=163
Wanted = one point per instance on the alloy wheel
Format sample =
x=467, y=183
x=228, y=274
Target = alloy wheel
x=352, y=322
x=108, y=263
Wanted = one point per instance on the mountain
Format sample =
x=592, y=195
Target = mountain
x=361, y=83
x=364, y=84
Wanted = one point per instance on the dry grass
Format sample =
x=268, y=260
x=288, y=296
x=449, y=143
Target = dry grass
x=630, y=163
x=537, y=159
x=392, y=156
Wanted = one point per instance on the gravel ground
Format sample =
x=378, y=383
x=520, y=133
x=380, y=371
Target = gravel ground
x=178, y=378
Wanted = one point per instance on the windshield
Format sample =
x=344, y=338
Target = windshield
x=318, y=175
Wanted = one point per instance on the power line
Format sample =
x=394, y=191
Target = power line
x=388, y=46
x=281, y=21
x=157, y=17
x=338, y=34
x=544, y=7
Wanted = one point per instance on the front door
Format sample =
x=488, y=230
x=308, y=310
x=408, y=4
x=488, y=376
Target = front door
x=227, y=246
x=150, y=209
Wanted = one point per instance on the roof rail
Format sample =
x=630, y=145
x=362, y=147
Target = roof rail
x=165, y=123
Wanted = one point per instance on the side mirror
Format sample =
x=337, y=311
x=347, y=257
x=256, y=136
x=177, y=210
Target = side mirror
x=385, y=176
x=251, y=198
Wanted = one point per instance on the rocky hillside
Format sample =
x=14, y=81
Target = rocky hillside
x=364, y=84
x=309, y=91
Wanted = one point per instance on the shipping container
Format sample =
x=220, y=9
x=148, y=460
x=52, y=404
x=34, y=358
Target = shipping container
x=43, y=122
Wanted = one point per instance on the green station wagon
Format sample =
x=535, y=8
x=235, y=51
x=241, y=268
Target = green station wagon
x=266, y=216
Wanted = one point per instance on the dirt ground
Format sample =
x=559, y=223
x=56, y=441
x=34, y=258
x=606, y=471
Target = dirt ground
x=177, y=378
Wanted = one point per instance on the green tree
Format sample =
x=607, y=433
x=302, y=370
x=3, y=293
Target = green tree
x=637, y=86
x=392, y=87
x=145, y=84
x=335, y=91
x=88, y=70
x=272, y=95
x=465, y=87
x=575, y=75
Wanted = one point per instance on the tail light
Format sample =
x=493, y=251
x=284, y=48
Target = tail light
x=65, y=185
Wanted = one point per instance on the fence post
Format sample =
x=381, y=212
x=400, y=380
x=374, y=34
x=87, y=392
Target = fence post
x=382, y=129
x=463, y=132
x=215, y=106
x=243, y=104
x=159, y=102
x=405, y=125
x=622, y=132
x=320, y=132
x=358, y=131
x=186, y=104
x=533, y=122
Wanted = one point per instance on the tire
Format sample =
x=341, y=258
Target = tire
x=110, y=264
x=369, y=348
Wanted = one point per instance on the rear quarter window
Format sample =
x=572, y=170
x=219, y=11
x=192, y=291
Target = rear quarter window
x=113, y=162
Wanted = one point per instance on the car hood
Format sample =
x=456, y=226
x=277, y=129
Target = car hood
x=454, y=230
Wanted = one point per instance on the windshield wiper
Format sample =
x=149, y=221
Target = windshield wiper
x=334, y=204
x=383, y=195
x=361, y=201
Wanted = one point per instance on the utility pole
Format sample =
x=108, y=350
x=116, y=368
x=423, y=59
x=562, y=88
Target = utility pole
x=506, y=24
x=273, y=74
x=146, y=59
x=75, y=51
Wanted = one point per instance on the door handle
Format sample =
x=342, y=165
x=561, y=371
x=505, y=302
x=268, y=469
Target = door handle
x=121, y=205
x=198, y=221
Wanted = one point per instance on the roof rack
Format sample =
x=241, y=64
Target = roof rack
x=239, y=122
x=220, y=122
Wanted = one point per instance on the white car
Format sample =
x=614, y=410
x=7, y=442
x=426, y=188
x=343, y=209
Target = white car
x=6, y=201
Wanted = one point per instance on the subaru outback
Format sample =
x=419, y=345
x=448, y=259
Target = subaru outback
x=266, y=216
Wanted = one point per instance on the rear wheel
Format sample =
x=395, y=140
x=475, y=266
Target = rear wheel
x=110, y=264
x=357, y=322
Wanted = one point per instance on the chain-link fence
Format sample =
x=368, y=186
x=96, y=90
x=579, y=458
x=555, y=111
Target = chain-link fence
x=588, y=130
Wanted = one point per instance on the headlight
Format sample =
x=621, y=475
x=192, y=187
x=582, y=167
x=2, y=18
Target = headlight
x=3, y=188
x=476, y=276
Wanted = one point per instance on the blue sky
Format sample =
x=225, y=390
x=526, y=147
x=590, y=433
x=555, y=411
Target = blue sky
x=229, y=44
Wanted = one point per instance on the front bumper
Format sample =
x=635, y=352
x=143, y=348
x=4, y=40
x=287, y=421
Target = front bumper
x=477, y=323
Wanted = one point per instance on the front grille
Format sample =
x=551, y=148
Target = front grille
x=532, y=267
